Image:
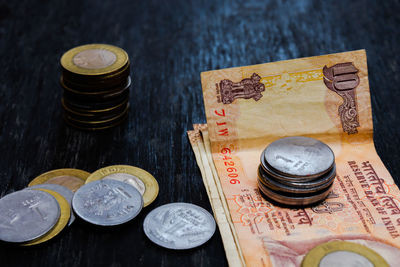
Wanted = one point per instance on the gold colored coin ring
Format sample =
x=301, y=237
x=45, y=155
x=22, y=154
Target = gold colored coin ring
x=68, y=65
x=65, y=213
x=44, y=177
x=151, y=184
x=117, y=89
x=93, y=110
x=315, y=255
x=100, y=122
x=104, y=81
x=97, y=128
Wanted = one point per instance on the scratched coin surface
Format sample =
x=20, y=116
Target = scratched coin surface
x=129, y=179
x=107, y=202
x=70, y=178
x=26, y=215
x=299, y=156
x=179, y=226
x=131, y=175
x=63, y=191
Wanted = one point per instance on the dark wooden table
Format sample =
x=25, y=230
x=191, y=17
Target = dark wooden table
x=169, y=44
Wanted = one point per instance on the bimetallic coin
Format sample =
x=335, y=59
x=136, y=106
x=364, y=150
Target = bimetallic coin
x=151, y=185
x=107, y=202
x=63, y=191
x=70, y=178
x=26, y=215
x=94, y=60
x=342, y=253
x=129, y=179
x=299, y=157
x=179, y=226
x=61, y=223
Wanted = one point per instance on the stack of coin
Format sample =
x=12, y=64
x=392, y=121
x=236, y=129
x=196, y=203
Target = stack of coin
x=96, y=83
x=296, y=171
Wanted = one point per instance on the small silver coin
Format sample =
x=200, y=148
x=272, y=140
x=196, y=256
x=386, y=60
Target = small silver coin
x=107, y=202
x=26, y=215
x=344, y=258
x=299, y=156
x=63, y=191
x=179, y=226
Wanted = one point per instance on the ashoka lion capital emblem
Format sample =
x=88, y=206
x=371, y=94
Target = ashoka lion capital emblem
x=342, y=79
x=246, y=88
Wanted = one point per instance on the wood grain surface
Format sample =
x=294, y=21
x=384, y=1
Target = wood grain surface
x=169, y=44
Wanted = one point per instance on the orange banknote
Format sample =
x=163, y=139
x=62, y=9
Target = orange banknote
x=324, y=97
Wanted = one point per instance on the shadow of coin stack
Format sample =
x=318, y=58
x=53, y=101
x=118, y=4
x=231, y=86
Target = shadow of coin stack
x=296, y=171
x=96, y=83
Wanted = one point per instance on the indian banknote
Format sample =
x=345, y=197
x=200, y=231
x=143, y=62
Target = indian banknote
x=325, y=97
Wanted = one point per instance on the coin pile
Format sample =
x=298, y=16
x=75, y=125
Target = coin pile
x=110, y=196
x=96, y=82
x=296, y=171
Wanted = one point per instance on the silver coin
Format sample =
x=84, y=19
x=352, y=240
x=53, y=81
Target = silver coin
x=297, y=187
x=26, y=215
x=107, y=202
x=299, y=156
x=179, y=226
x=63, y=191
x=129, y=179
x=344, y=258
x=294, y=200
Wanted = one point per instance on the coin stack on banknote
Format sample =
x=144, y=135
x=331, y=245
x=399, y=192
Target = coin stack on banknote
x=96, y=82
x=296, y=171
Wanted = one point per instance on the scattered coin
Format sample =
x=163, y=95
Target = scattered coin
x=26, y=215
x=63, y=191
x=179, y=226
x=299, y=156
x=70, y=178
x=342, y=253
x=107, y=202
x=61, y=223
x=130, y=175
x=129, y=179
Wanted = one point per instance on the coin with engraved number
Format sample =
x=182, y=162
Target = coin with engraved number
x=342, y=253
x=132, y=175
x=179, y=226
x=26, y=215
x=299, y=156
x=62, y=190
x=107, y=202
x=70, y=178
x=61, y=223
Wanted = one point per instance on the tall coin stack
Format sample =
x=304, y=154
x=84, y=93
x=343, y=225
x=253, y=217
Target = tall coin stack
x=296, y=171
x=96, y=82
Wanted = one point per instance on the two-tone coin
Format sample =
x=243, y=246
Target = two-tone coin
x=69, y=178
x=96, y=83
x=107, y=202
x=296, y=171
x=137, y=177
x=63, y=191
x=342, y=253
x=27, y=214
x=179, y=226
x=65, y=212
